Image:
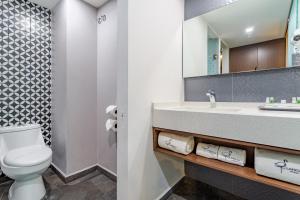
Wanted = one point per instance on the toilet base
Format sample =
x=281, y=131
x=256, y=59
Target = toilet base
x=32, y=189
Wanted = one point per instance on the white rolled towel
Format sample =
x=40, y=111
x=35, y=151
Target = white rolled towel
x=177, y=143
x=111, y=125
x=207, y=150
x=232, y=155
x=278, y=165
x=112, y=110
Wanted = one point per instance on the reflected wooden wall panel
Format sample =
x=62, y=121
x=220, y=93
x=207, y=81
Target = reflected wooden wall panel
x=271, y=54
x=243, y=58
x=266, y=55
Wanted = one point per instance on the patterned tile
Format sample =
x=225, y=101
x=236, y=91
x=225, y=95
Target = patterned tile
x=195, y=8
x=246, y=87
x=255, y=87
x=195, y=89
x=25, y=65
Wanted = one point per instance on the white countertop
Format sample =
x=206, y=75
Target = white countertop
x=225, y=108
x=237, y=121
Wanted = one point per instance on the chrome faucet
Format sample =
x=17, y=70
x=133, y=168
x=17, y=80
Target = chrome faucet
x=212, y=98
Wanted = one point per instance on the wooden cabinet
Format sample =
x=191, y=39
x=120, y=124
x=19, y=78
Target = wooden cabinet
x=265, y=55
x=243, y=59
x=271, y=54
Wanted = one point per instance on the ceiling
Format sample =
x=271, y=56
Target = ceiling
x=268, y=17
x=46, y=3
x=96, y=3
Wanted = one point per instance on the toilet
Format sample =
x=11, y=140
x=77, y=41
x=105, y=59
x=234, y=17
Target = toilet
x=24, y=156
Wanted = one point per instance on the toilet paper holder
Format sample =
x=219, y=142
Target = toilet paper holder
x=112, y=111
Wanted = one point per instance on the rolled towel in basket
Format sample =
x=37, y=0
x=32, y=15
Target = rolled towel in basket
x=231, y=155
x=207, y=150
x=176, y=143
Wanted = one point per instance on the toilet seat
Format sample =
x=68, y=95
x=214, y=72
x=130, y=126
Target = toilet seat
x=28, y=156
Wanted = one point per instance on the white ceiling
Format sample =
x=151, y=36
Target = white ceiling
x=268, y=17
x=46, y=3
x=96, y=3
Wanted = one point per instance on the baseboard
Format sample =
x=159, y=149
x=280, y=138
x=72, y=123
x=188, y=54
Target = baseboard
x=165, y=195
x=107, y=172
x=76, y=175
x=58, y=172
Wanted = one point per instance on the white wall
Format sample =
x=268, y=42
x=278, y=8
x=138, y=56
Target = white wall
x=154, y=74
x=195, y=47
x=122, y=102
x=59, y=87
x=75, y=94
x=82, y=84
x=107, y=83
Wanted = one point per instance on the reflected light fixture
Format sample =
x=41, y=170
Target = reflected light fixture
x=249, y=30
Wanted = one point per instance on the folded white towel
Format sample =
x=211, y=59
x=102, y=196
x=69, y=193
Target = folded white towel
x=282, y=166
x=111, y=125
x=231, y=155
x=207, y=150
x=176, y=143
x=112, y=110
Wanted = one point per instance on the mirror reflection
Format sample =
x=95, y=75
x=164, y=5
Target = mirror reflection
x=247, y=35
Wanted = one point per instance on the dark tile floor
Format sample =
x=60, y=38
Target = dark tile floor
x=97, y=186
x=189, y=189
x=94, y=186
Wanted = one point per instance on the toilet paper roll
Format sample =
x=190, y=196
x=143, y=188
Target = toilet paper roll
x=112, y=110
x=176, y=143
x=207, y=150
x=231, y=155
x=111, y=125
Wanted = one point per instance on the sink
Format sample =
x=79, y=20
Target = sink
x=207, y=109
x=235, y=121
x=222, y=109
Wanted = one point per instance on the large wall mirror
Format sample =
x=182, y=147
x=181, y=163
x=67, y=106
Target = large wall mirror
x=247, y=35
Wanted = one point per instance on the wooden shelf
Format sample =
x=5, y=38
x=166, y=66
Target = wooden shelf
x=233, y=143
x=244, y=172
x=247, y=172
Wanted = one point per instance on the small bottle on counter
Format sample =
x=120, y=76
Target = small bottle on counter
x=283, y=101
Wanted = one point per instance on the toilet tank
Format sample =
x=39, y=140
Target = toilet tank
x=20, y=136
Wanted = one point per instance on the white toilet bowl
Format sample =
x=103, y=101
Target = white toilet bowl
x=24, y=161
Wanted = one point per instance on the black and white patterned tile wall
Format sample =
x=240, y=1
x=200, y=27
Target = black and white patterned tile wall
x=25, y=65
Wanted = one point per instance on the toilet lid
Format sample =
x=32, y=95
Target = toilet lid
x=28, y=156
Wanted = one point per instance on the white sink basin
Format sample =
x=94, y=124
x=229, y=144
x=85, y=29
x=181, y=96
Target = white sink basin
x=207, y=109
x=236, y=121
